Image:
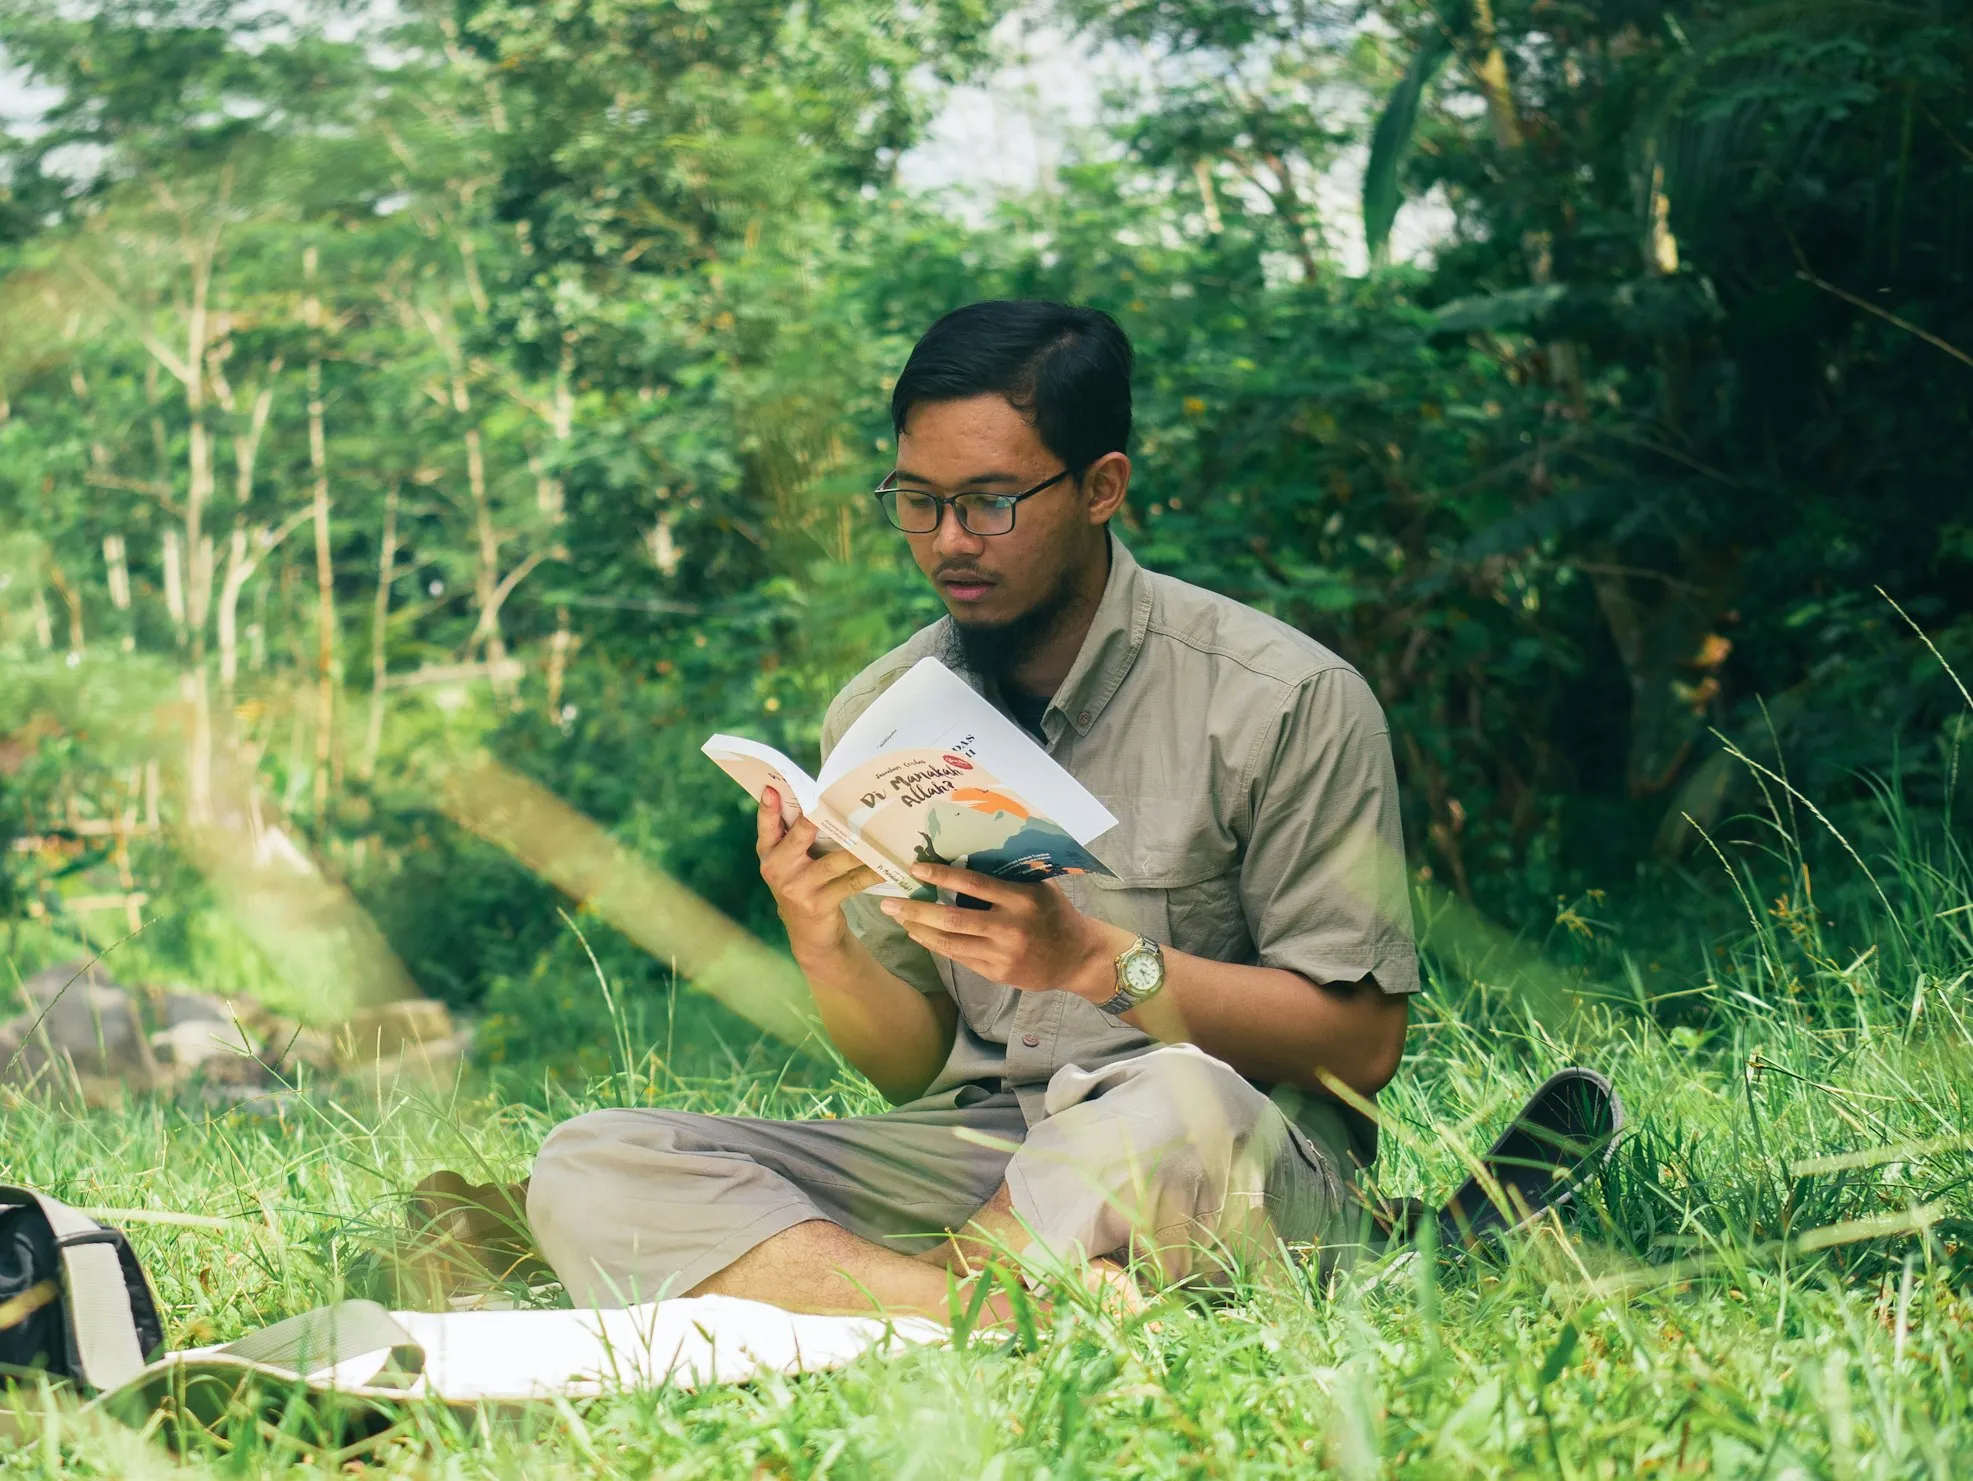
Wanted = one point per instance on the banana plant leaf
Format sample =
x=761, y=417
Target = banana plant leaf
x=1390, y=141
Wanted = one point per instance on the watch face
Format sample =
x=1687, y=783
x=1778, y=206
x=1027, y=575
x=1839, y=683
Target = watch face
x=1142, y=972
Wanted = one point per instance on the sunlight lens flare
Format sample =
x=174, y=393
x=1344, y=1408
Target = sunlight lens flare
x=571, y=852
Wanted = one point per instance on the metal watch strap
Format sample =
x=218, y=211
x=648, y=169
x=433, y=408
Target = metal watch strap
x=1124, y=1000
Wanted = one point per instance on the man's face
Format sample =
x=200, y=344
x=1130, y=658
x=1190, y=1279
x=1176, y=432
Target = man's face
x=983, y=445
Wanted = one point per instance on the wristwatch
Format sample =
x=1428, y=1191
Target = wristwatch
x=1140, y=976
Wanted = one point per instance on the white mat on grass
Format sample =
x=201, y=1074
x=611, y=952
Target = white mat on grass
x=517, y=1356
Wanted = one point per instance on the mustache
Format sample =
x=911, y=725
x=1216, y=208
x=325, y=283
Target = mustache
x=969, y=572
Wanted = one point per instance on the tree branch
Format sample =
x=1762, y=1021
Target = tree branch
x=180, y=372
x=490, y=613
x=1886, y=315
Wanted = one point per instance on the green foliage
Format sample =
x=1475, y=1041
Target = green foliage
x=606, y=301
x=1565, y=523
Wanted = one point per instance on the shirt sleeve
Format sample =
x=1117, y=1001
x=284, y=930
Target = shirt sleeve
x=1323, y=881
x=881, y=936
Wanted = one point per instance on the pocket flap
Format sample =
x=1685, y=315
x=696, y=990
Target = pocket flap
x=1161, y=843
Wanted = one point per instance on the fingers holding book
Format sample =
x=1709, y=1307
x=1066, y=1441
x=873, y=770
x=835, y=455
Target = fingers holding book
x=769, y=826
x=779, y=817
x=809, y=889
x=1030, y=936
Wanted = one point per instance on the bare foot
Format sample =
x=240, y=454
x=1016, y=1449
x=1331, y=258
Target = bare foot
x=1113, y=1287
x=997, y=1310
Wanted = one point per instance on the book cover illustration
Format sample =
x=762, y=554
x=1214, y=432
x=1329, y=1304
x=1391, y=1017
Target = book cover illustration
x=943, y=807
x=932, y=773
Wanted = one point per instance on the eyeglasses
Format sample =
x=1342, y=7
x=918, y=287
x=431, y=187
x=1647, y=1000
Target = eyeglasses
x=919, y=513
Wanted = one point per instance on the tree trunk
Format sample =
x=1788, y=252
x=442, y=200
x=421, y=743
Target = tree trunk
x=487, y=586
x=1208, y=197
x=117, y=566
x=1669, y=654
x=199, y=242
x=72, y=600
x=1288, y=203
x=558, y=662
x=243, y=558
x=239, y=566
x=486, y=572
x=242, y=561
x=386, y=571
x=198, y=544
x=551, y=498
x=174, y=581
x=1490, y=71
x=1660, y=246
x=325, y=576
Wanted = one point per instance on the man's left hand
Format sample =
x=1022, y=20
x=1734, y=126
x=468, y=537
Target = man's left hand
x=1031, y=937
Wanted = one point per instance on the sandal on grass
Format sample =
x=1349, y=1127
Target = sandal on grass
x=1566, y=1132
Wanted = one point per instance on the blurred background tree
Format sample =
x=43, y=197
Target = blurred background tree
x=503, y=376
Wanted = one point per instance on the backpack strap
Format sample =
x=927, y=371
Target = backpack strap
x=107, y=1351
x=312, y=1344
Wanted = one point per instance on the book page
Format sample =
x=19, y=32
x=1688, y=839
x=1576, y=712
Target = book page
x=757, y=767
x=932, y=708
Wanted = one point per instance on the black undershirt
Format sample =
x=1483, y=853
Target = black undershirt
x=1027, y=709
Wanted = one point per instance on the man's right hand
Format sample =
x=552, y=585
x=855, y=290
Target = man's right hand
x=809, y=890
x=888, y=1029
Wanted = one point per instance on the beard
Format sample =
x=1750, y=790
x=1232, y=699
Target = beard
x=996, y=649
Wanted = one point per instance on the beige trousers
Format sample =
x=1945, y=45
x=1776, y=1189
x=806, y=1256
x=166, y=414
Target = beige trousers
x=1170, y=1157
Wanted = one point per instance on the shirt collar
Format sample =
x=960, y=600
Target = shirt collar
x=1116, y=633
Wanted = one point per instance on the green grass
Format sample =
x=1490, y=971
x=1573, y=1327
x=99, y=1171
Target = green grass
x=1714, y=1306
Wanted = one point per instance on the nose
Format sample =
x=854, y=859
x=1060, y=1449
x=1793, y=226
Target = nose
x=952, y=538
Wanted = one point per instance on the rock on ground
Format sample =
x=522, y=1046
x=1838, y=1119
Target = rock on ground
x=78, y=1029
x=81, y=1031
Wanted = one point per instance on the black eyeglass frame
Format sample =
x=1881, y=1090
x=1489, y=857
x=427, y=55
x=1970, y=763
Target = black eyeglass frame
x=945, y=502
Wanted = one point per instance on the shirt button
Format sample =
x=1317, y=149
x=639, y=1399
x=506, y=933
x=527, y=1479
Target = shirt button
x=1084, y=718
x=1033, y=1041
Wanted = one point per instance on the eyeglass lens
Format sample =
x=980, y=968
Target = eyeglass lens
x=918, y=513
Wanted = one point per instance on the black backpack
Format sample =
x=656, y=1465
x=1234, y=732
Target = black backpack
x=74, y=1303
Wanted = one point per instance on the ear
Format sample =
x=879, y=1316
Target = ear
x=1105, y=485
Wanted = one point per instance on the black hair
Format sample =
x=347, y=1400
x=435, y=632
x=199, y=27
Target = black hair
x=1066, y=369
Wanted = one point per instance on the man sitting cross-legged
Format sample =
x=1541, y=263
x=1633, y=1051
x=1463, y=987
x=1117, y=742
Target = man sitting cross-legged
x=1089, y=1069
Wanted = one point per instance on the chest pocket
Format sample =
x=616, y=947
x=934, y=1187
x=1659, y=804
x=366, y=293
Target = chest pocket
x=1177, y=879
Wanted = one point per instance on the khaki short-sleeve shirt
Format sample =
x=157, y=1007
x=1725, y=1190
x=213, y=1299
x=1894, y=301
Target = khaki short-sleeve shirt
x=1250, y=772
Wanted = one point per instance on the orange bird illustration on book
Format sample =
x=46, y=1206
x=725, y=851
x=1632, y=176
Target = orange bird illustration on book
x=986, y=800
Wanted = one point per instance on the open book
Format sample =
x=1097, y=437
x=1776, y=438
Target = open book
x=932, y=773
